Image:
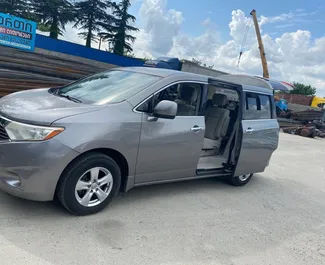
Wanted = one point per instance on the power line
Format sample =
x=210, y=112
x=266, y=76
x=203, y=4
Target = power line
x=243, y=42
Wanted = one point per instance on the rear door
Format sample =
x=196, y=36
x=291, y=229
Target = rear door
x=260, y=133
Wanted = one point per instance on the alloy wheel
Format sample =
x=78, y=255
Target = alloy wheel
x=244, y=177
x=94, y=186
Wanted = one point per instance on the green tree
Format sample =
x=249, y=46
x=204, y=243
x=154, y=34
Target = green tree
x=199, y=63
x=302, y=89
x=53, y=15
x=90, y=16
x=117, y=33
x=14, y=7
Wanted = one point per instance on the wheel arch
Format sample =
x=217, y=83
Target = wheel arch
x=112, y=153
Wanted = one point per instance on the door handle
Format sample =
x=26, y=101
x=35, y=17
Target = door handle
x=196, y=128
x=249, y=130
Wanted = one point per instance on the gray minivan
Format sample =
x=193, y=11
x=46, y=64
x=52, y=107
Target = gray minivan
x=129, y=127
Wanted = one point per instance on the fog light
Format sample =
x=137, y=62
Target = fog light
x=10, y=178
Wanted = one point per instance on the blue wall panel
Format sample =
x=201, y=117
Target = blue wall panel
x=47, y=43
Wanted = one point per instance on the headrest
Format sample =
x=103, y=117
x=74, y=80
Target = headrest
x=220, y=99
x=189, y=93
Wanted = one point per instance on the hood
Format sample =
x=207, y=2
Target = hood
x=39, y=107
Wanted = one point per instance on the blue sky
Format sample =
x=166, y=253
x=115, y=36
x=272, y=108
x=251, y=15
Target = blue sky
x=307, y=15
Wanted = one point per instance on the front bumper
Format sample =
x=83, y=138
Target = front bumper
x=31, y=170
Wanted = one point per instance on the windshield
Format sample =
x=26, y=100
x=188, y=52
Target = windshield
x=108, y=87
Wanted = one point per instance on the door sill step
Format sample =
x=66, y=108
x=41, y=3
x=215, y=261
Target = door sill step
x=214, y=171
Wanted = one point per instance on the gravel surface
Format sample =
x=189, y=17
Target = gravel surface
x=278, y=218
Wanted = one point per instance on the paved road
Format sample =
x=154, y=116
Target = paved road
x=279, y=218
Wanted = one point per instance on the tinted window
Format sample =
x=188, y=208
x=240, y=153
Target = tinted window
x=251, y=102
x=108, y=87
x=265, y=107
x=257, y=107
x=186, y=95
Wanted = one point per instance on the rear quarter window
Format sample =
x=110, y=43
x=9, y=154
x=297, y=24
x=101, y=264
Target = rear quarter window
x=257, y=106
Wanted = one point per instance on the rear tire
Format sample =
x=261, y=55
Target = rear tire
x=89, y=184
x=240, y=180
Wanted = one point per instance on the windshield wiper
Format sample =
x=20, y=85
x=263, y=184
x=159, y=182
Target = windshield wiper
x=69, y=98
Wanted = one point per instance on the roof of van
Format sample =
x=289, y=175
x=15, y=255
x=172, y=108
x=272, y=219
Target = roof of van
x=247, y=80
x=247, y=86
x=153, y=71
x=256, y=89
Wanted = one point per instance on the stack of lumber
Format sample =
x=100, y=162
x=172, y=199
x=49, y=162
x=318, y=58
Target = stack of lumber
x=20, y=70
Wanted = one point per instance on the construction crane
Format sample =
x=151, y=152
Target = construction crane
x=260, y=45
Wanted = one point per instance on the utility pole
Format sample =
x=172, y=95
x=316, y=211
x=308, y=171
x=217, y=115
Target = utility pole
x=260, y=45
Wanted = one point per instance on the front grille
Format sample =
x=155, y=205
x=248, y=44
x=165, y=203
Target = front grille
x=3, y=133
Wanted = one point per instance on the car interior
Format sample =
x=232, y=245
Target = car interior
x=221, y=115
x=187, y=100
x=186, y=96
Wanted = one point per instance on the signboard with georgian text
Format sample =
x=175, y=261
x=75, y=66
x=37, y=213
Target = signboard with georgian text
x=17, y=32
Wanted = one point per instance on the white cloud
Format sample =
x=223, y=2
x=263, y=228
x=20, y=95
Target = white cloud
x=282, y=17
x=71, y=34
x=161, y=25
x=238, y=25
x=284, y=25
x=299, y=10
x=207, y=22
x=294, y=16
x=294, y=56
x=185, y=46
x=141, y=45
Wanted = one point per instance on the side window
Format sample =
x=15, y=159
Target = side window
x=266, y=110
x=257, y=107
x=251, y=101
x=186, y=95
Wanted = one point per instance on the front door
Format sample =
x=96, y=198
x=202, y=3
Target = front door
x=260, y=134
x=170, y=149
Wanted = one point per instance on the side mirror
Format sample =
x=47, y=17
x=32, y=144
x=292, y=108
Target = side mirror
x=165, y=109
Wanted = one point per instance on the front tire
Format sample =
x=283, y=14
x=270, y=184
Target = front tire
x=240, y=180
x=89, y=184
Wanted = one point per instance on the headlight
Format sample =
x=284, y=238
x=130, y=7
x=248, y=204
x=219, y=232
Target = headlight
x=25, y=132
